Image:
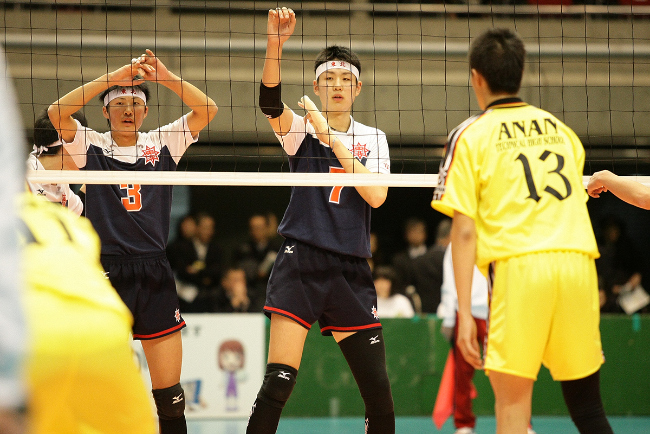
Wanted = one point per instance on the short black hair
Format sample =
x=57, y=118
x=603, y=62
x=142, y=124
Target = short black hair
x=385, y=272
x=44, y=132
x=142, y=86
x=499, y=55
x=336, y=52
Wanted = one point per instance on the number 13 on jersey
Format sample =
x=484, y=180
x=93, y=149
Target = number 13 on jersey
x=133, y=200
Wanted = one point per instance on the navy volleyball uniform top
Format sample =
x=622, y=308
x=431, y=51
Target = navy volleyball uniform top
x=332, y=218
x=131, y=219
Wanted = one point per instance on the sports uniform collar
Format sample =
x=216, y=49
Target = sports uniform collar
x=350, y=130
x=511, y=101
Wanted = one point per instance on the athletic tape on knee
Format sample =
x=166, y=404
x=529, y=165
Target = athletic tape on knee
x=170, y=402
x=278, y=384
x=366, y=355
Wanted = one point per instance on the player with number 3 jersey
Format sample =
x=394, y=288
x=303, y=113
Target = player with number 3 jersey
x=133, y=220
x=321, y=273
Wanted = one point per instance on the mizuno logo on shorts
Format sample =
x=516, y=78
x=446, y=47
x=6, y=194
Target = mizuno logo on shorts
x=374, y=340
x=288, y=249
x=177, y=399
x=284, y=375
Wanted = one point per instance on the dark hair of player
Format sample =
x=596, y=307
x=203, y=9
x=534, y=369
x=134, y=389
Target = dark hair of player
x=384, y=272
x=498, y=55
x=336, y=52
x=44, y=132
x=143, y=87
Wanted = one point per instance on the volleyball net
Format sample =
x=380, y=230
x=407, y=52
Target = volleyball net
x=588, y=64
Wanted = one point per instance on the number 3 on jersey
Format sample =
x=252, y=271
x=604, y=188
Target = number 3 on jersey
x=335, y=194
x=133, y=200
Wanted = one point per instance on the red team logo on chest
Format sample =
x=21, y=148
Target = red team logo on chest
x=150, y=155
x=360, y=151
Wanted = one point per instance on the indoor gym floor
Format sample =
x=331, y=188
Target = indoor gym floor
x=410, y=425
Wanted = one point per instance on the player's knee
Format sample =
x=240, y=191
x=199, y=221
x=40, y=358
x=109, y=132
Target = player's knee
x=279, y=381
x=366, y=355
x=170, y=402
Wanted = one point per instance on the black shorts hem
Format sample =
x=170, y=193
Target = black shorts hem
x=327, y=331
x=159, y=334
x=273, y=310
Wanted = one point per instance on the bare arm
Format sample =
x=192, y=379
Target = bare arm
x=60, y=112
x=374, y=195
x=627, y=190
x=279, y=28
x=203, y=107
x=463, y=252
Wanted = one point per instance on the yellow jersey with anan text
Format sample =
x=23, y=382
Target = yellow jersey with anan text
x=517, y=171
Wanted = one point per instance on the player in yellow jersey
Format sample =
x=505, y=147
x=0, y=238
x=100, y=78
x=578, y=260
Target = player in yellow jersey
x=511, y=180
x=81, y=374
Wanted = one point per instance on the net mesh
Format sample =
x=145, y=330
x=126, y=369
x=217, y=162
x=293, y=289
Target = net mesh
x=587, y=64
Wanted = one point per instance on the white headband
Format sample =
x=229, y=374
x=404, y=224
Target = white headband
x=124, y=91
x=336, y=64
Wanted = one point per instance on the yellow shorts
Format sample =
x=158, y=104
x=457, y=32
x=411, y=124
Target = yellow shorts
x=81, y=372
x=544, y=309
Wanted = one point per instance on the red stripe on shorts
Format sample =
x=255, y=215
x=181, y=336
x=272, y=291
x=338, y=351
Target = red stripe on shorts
x=290, y=315
x=162, y=333
x=351, y=329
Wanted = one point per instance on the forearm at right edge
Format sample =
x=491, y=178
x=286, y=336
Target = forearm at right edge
x=271, y=75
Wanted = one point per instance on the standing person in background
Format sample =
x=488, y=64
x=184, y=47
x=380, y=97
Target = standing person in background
x=415, y=235
x=133, y=220
x=257, y=255
x=321, y=272
x=427, y=270
x=12, y=321
x=49, y=154
x=520, y=214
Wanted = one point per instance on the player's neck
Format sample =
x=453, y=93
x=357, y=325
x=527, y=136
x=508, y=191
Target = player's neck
x=124, y=138
x=340, y=121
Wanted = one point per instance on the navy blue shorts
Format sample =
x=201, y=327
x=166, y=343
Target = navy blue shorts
x=310, y=284
x=147, y=287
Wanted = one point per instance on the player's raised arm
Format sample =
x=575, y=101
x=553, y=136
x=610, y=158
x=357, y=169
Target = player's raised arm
x=629, y=191
x=61, y=111
x=280, y=26
x=203, y=107
x=375, y=195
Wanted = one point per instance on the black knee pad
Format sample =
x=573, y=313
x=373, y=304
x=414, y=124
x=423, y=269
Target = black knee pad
x=585, y=405
x=279, y=381
x=170, y=402
x=366, y=355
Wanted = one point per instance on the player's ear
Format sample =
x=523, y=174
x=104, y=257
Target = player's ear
x=105, y=112
x=316, y=89
x=358, y=88
x=146, y=111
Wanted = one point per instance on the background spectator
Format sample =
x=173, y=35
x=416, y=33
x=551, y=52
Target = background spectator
x=415, y=235
x=257, y=255
x=233, y=295
x=390, y=305
x=619, y=263
x=198, y=267
x=427, y=270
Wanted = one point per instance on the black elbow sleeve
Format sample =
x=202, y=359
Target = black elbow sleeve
x=271, y=100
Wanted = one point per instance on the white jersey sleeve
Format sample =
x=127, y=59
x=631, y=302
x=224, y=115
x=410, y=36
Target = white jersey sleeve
x=448, y=298
x=296, y=134
x=78, y=147
x=176, y=136
x=379, y=159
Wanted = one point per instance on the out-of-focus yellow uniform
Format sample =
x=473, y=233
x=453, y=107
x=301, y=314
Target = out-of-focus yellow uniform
x=517, y=171
x=81, y=373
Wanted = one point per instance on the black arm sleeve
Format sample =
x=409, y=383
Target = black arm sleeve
x=271, y=100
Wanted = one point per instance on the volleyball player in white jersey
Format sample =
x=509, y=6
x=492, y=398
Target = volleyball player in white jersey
x=321, y=272
x=49, y=154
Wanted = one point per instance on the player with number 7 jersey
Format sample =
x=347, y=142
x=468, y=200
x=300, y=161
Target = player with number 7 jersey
x=133, y=220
